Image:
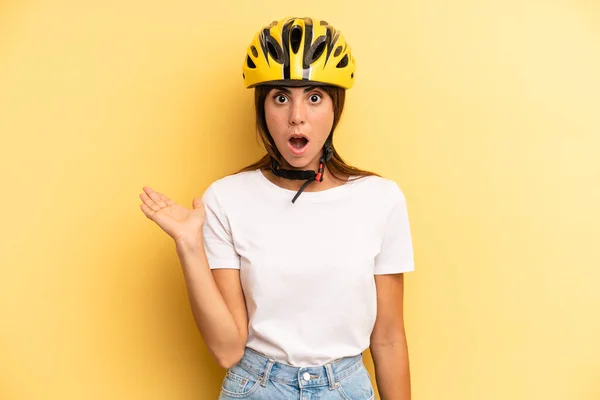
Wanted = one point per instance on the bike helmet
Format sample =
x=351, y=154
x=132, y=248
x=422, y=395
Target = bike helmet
x=299, y=52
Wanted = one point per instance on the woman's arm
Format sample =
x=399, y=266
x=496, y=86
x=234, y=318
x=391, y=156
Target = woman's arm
x=216, y=299
x=388, y=341
x=217, y=303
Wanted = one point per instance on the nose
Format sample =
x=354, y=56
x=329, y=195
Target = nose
x=297, y=113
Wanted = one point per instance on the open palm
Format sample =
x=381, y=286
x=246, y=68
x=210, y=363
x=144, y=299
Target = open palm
x=177, y=221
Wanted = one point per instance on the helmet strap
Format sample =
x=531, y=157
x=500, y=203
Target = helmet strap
x=308, y=175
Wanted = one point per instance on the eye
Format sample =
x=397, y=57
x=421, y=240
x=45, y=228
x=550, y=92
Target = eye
x=280, y=98
x=315, y=98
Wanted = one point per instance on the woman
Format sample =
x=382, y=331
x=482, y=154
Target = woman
x=294, y=265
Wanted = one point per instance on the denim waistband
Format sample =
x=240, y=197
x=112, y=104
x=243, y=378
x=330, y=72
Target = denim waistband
x=324, y=375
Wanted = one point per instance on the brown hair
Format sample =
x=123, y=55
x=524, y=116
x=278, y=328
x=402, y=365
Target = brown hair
x=336, y=166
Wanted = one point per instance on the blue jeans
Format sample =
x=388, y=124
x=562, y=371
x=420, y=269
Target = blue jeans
x=256, y=377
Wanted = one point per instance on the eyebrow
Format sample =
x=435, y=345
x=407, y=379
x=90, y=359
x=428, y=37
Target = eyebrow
x=288, y=91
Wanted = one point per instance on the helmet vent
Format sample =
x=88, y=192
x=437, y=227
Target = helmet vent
x=343, y=62
x=254, y=51
x=320, y=49
x=250, y=62
x=338, y=51
x=296, y=38
x=316, y=50
x=274, y=50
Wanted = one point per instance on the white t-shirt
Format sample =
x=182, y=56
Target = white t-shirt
x=307, y=268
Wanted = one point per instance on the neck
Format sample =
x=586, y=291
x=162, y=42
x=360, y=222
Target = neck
x=328, y=180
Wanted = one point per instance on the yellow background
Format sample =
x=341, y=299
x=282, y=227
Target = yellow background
x=486, y=113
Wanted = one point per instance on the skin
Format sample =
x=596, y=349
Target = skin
x=308, y=110
x=388, y=346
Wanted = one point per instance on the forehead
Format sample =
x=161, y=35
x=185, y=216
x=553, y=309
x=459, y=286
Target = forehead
x=294, y=89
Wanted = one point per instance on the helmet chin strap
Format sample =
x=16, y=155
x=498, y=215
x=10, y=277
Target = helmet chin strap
x=308, y=175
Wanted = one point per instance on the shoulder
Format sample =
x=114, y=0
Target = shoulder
x=378, y=187
x=379, y=198
x=230, y=186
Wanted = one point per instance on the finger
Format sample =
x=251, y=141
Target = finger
x=164, y=198
x=147, y=211
x=197, y=203
x=166, y=201
x=155, y=197
x=148, y=202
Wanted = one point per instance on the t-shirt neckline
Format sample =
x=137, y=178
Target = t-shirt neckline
x=320, y=195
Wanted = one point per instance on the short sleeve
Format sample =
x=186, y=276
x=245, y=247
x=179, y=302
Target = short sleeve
x=396, y=255
x=218, y=242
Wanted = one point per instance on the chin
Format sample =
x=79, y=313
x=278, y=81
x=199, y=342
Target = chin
x=299, y=162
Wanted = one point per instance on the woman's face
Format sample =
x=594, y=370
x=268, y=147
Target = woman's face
x=299, y=120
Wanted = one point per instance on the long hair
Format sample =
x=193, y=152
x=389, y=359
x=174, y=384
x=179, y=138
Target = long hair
x=336, y=165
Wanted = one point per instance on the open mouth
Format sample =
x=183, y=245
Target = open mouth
x=298, y=142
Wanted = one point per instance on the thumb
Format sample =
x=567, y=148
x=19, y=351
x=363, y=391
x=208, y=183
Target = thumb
x=197, y=203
